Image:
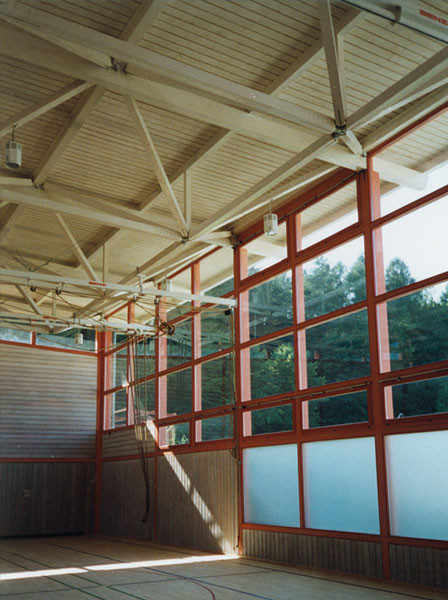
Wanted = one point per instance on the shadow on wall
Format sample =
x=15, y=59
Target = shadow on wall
x=197, y=500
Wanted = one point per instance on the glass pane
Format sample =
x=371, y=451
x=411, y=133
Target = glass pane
x=418, y=325
x=415, y=246
x=270, y=420
x=119, y=409
x=172, y=435
x=340, y=485
x=217, y=381
x=271, y=368
x=328, y=216
x=417, y=467
x=266, y=250
x=216, y=428
x=335, y=279
x=336, y=410
x=15, y=335
x=179, y=344
x=217, y=273
x=175, y=393
x=120, y=366
x=270, y=306
x=420, y=397
x=271, y=487
x=144, y=399
x=146, y=358
x=66, y=339
x=216, y=330
x=338, y=349
x=179, y=283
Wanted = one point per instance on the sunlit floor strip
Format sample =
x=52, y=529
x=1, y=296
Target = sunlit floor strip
x=162, y=563
x=43, y=573
x=116, y=566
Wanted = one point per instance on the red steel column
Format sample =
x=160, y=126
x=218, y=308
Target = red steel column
x=99, y=430
x=368, y=187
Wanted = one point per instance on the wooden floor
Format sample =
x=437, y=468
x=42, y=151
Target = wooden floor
x=34, y=569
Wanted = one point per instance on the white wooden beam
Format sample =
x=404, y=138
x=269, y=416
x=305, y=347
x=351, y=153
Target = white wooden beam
x=43, y=106
x=105, y=261
x=404, y=87
x=333, y=67
x=419, y=110
x=141, y=20
x=76, y=248
x=5, y=180
x=294, y=164
x=29, y=300
x=187, y=199
x=347, y=23
x=10, y=216
x=162, y=68
x=71, y=127
x=40, y=199
x=156, y=164
x=287, y=135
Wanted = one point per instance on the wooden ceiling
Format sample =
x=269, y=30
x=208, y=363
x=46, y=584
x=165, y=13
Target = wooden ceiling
x=152, y=130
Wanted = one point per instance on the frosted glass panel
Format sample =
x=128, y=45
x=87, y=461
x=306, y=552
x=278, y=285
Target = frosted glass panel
x=340, y=485
x=271, y=487
x=417, y=467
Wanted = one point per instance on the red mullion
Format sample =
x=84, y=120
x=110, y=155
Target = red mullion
x=335, y=314
x=202, y=414
x=423, y=377
x=115, y=389
x=368, y=194
x=121, y=428
x=339, y=387
x=410, y=128
x=117, y=349
x=116, y=310
x=266, y=338
x=412, y=206
x=65, y=350
x=333, y=241
x=338, y=432
x=318, y=192
x=269, y=439
x=240, y=262
x=417, y=424
x=181, y=367
x=22, y=344
x=412, y=287
x=348, y=535
x=428, y=368
x=227, y=444
x=143, y=379
x=307, y=395
x=33, y=338
x=101, y=370
x=268, y=273
x=269, y=401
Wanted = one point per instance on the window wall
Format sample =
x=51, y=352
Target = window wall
x=333, y=365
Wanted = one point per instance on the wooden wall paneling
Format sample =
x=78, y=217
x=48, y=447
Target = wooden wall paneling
x=197, y=500
x=123, y=500
x=349, y=556
x=47, y=403
x=422, y=566
x=122, y=443
x=42, y=498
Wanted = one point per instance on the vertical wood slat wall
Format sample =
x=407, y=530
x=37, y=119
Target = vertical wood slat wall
x=47, y=422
